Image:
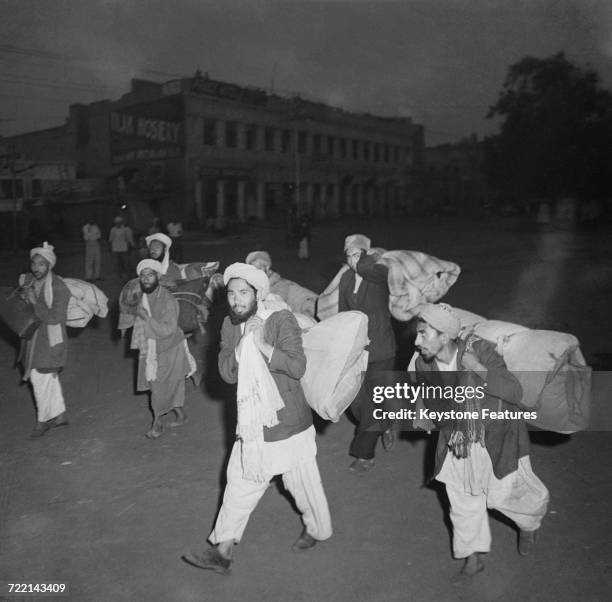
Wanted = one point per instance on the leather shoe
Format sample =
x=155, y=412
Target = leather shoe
x=60, y=420
x=527, y=541
x=388, y=440
x=39, y=430
x=304, y=542
x=209, y=559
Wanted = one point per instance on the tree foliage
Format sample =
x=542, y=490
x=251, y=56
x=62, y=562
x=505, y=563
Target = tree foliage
x=556, y=131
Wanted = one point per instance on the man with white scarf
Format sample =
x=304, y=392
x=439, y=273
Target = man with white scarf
x=262, y=351
x=45, y=353
x=164, y=359
x=159, y=249
x=484, y=462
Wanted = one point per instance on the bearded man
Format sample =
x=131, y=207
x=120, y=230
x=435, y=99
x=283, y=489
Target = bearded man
x=164, y=359
x=45, y=353
x=483, y=462
x=262, y=351
x=159, y=249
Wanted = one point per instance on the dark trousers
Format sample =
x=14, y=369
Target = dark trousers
x=368, y=429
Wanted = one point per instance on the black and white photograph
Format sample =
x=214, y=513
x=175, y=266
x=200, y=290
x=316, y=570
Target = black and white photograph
x=306, y=300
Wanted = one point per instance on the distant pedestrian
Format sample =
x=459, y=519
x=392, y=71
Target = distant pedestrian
x=155, y=227
x=45, y=353
x=304, y=239
x=121, y=240
x=91, y=236
x=175, y=232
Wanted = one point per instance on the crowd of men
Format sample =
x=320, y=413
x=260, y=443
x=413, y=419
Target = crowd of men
x=483, y=463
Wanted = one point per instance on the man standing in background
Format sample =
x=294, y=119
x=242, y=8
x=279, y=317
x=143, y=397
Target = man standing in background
x=175, y=231
x=121, y=240
x=91, y=236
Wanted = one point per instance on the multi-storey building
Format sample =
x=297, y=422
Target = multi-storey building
x=210, y=150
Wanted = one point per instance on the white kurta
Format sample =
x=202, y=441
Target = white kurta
x=48, y=394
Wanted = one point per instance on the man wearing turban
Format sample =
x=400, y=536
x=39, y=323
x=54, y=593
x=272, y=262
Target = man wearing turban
x=159, y=249
x=45, y=353
x=164, y=359
x=299, y=299
x=261, y=351
x=371, y=297
x=483, y=461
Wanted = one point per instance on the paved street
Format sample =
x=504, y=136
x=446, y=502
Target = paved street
x=110, y=512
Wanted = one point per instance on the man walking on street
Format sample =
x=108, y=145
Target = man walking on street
x=369, y=295
x=484, y=462
x=262, y=351
x=45, y=353
x=164, y=360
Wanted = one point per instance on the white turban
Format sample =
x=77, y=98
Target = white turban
x=442, y=317
x=46, y=251
x=255, y=277
x=255, y=255
x=165, y=240
x=150, y=264
x=357, y=241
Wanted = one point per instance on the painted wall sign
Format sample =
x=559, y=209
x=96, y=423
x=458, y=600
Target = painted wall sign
x=148, y=131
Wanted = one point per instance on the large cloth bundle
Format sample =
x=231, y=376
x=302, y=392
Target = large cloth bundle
x=86, y=301
x=198, y=269
x=336, y=361
x=300, y=299
x=416, y=278
x=189, y=293
x=549, y=365
x=413, y=278
x=18, y=314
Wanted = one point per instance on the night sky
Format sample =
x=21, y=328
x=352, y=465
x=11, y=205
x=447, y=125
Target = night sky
x=442, y=62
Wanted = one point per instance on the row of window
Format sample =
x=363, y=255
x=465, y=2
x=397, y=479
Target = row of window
x=226, y=134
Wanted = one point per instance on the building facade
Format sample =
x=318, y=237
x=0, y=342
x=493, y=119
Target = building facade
x=214, y=152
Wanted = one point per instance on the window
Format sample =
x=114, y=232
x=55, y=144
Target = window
x=231, y=134
x=376, y=152
x=302, y=143
x=316, y=143
x=286, y=141
x=342, y=145
x=355, y=149
x=210, y=132
x=250, y=137
x=366, y=151
x=387, y=153
x=269, y=139
x=331, y=141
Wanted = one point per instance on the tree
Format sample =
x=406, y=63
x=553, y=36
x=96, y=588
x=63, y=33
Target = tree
x=556, y=133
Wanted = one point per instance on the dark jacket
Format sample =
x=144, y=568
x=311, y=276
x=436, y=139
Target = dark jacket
x=39, y=354
x=505, y=440
x=372, y=298
x=287, y=366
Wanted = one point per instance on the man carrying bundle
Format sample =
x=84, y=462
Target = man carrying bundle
x=262, y=351
x=483, y=462
x=164, y=359
x=45, y=353
x=159, y=249
x=371, y=297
